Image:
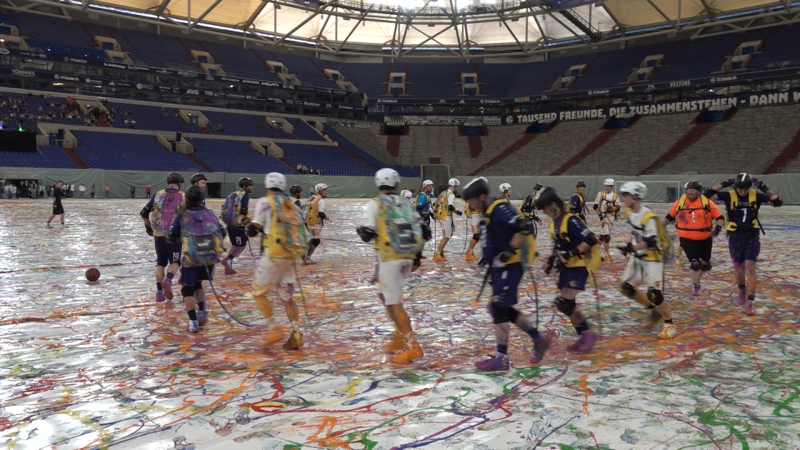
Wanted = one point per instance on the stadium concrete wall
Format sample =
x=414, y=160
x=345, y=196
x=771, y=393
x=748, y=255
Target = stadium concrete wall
x=787, y=185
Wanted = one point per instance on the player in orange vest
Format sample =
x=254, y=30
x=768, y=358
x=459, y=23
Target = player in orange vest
x=694, y=214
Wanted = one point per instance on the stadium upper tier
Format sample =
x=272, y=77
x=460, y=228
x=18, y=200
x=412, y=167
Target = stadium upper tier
x=673, y=61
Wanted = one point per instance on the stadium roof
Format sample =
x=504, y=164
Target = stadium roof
x=445, y=28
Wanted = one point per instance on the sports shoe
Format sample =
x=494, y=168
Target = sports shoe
x=412, y=352
x=471, y=257
x=167, y=286
x=750, y=309
x=159, y=296
x=48, y=225
x=540, y=347
x=742, y=297
x=423, y=257
x=398, y=342
x=64, y=226
x=669, y=332
x=272, y=337
x=651, y=321
x=295, y=341
x=497, y=363
x=308, y=262
x=228, y=269
x=439, y=257
x=588, y=338
x=202, y=318
x=575, y=345
x=193, y=327
x=696, y=289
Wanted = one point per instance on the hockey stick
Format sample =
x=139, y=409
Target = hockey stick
x=223, y=305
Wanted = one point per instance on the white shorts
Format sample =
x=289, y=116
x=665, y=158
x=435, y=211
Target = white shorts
x=391, y=275
x=645, y=274
x=272, y=272
x=605, y=227
x=448, y=226
x=475, y=222
x=315, y=231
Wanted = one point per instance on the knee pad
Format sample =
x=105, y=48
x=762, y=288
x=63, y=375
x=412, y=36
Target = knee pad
x=503, y=314
x=655, y=296
x=706, y=267
x=605, y=238
x=476, y=237
x=696, y=265
x=627, y=289
x=187, y=291
x=198, y=286
x=566, y=307
x=315, y=242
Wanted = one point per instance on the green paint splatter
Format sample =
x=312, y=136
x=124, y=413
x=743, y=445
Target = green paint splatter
x=707, y=418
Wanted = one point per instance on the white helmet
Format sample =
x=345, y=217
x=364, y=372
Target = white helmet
x=387, y=177
x=608, y=182
x=275, y=180
x=427, y=183
x=454, y=182
x=406, y=194
x=634, y=188
x=320, y=187
x=505, y=187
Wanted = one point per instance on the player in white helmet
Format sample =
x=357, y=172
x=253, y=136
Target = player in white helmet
x=646, y=254
x=445, y=208
x=474, y=220
x=406, y=194
x=276, y=266
x=398, y=255
x=314, y=211
x=607, y=207
x=505, y=191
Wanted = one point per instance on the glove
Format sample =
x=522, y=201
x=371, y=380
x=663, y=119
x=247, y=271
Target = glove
x=322, y=216
x=761, y=186
x=551, y=262
x=601, y=217
x=595, y=206
x=716, y=230
x=148, y=229
x=567, y=254
x=459, y=212
x=728, y=183
x=505, y=256
x=777, y=202
x=626, y=249
x=537, y=219
x=367, y=234
x=252, y=231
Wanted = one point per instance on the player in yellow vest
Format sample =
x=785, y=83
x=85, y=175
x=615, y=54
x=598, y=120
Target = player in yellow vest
x=399, y=234
x=445, y=207
x=607, y=207
x=275, y=271
x=646, y=262
x=316, y=220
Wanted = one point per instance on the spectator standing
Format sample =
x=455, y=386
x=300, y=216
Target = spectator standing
x=47, y=188
x=133, y=191
x=107, y=188
x=91, y=191
x=147, y=191
x=82, y=188
x=41, y=191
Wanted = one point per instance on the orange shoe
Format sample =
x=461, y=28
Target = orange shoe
x=439, y=257
x=471, y=257
x=272, y=337
x=412, y=352
x=398, y=342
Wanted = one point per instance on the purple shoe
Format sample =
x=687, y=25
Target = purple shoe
x=742, y=297
x=696, y=289
x=540, y=347
x=228, y=269
x=588, y=338
x=167, y=286
x=159, y=296
x=750, y=309
x=497, y=363
x=575, y=345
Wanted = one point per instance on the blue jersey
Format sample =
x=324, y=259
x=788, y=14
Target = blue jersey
x=497, y=235
x=577, y=232
x=744, y=213
x=423, y=203
x=576, y=203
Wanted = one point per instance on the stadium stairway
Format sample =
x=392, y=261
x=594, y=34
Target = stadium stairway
x=77, y=158
x=393, y=145
x=199, y=162
x=787, y=155
x=524, y=140
x=695, y=134
x=599, y=140
x=475, y=146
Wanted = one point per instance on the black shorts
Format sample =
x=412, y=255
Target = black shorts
x=58, y=208
x=167, y=253
x=697, y=249
x=237, y=236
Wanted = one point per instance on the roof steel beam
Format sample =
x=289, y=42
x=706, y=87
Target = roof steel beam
x=205, y=13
